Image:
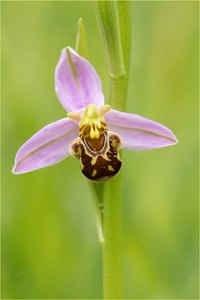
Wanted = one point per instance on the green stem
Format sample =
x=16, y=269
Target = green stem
x=112, y=246
x=114, y=24
x=98, y=189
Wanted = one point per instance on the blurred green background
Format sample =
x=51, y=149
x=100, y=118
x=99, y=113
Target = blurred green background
x=50, y=247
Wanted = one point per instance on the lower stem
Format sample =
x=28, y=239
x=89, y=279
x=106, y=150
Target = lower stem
x=112, y=246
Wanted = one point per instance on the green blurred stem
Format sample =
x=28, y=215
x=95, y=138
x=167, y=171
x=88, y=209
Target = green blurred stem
x=98, y=189
x=119, y=81
x=112, y=246
x=114, y=23
x=108, y=21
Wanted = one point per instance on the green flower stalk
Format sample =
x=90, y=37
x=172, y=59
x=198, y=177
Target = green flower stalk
x=114, y=23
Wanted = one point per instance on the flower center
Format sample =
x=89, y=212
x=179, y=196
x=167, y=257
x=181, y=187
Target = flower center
x=92, y=121
x=96, y=147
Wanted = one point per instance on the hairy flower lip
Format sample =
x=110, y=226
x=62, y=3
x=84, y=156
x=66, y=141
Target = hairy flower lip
x=77, y=86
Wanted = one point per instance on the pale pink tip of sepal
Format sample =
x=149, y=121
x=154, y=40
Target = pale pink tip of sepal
x=139, y=133
x=47, y=147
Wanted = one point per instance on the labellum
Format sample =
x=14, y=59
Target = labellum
x=96, y=147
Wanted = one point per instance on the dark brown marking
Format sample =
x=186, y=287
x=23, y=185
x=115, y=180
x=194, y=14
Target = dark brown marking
x=99, y=157
x=103, y=171
x=96, y=144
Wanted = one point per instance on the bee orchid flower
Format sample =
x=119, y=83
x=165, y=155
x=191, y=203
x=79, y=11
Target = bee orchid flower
x=92, y=131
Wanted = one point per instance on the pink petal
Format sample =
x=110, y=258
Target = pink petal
x=76, y=82
x=139, y=133
x=47, y=147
